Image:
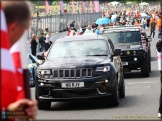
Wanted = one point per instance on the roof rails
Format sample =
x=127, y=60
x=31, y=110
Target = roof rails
x=123, y=26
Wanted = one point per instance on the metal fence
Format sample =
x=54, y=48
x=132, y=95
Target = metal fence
x=59, y=23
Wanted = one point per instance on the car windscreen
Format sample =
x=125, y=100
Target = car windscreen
x=78, y=48
x=124, y=37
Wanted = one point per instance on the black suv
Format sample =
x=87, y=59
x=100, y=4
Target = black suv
x=80, y=67
x=135, y=45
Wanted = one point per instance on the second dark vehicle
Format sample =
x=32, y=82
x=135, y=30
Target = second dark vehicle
x=135, y=46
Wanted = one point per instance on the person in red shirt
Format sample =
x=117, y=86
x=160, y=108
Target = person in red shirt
x=69, y=31
x=18, y=16
x=138, y=15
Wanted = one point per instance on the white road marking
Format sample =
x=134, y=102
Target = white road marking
x=137, y=87
x=143, y=82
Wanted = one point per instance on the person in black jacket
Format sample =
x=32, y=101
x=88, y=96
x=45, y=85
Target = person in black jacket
x=152, y=28
x=72, y=25
x=148, y=24
x=33, y=45
x=159, y=49
x=42, y=42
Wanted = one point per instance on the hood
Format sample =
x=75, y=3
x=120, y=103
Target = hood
x=129, y=46
x=76, y=62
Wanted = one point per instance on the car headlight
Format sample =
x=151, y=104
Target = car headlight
x=44, y=72
x=128, y=52
x=134, y=52
x=103, y=69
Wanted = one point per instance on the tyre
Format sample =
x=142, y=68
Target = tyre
x=42, y=105
x=114, y=100
x=122, y=88
x=149, y=61
x=145, y=67
x=115, y=96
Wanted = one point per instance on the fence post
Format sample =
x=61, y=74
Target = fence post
x=50, y=17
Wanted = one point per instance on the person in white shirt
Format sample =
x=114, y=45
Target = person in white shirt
x=101, y=30
x=73, y=33
x=144, y=23
x=80, y=30
x=89, y=29
x=156, y=18
x=47, y=41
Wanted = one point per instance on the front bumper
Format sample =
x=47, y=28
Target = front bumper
x=132, y=62
x=93, y=88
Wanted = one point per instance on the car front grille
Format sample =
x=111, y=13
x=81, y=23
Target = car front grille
x=72, y=73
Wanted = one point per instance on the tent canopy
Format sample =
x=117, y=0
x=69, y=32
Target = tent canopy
x=129, y=3
x=144, y=3
x=114, y=3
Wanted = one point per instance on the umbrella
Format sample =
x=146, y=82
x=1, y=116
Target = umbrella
x=103, y=21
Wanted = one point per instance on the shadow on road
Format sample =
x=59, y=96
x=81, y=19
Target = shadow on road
x=79, y=105
x=91, y=105
x=132, y=75
x=154, y=74
x=153, y=58
x=137, y=74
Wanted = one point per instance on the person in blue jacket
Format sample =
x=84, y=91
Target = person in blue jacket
x=97, y=31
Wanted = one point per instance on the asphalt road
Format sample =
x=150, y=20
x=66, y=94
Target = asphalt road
x=141, y=101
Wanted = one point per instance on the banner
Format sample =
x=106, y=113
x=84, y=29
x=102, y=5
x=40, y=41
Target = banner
x=61, y=7
x=83, y=6
x=91, y=6
x=73, y=7
x=47, y=6
x=97, y=5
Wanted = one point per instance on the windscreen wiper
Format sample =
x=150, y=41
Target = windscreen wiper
x=123, y=42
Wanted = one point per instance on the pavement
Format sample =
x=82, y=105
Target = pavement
x=141, y=101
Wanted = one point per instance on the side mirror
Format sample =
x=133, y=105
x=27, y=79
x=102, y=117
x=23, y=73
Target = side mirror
x=149, y=38
x=40, y=56
x=117, y=51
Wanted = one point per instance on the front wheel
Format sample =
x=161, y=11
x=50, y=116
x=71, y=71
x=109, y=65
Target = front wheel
x=114, y=100
x=145, y=67
x=115, y=96
x=122, y=88
x=149, y=61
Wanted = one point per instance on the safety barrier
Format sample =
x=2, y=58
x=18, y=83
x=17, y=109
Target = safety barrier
x=59, y=23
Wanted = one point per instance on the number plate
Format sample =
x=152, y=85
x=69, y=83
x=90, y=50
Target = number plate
x=125, y=63
x=73, y=85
